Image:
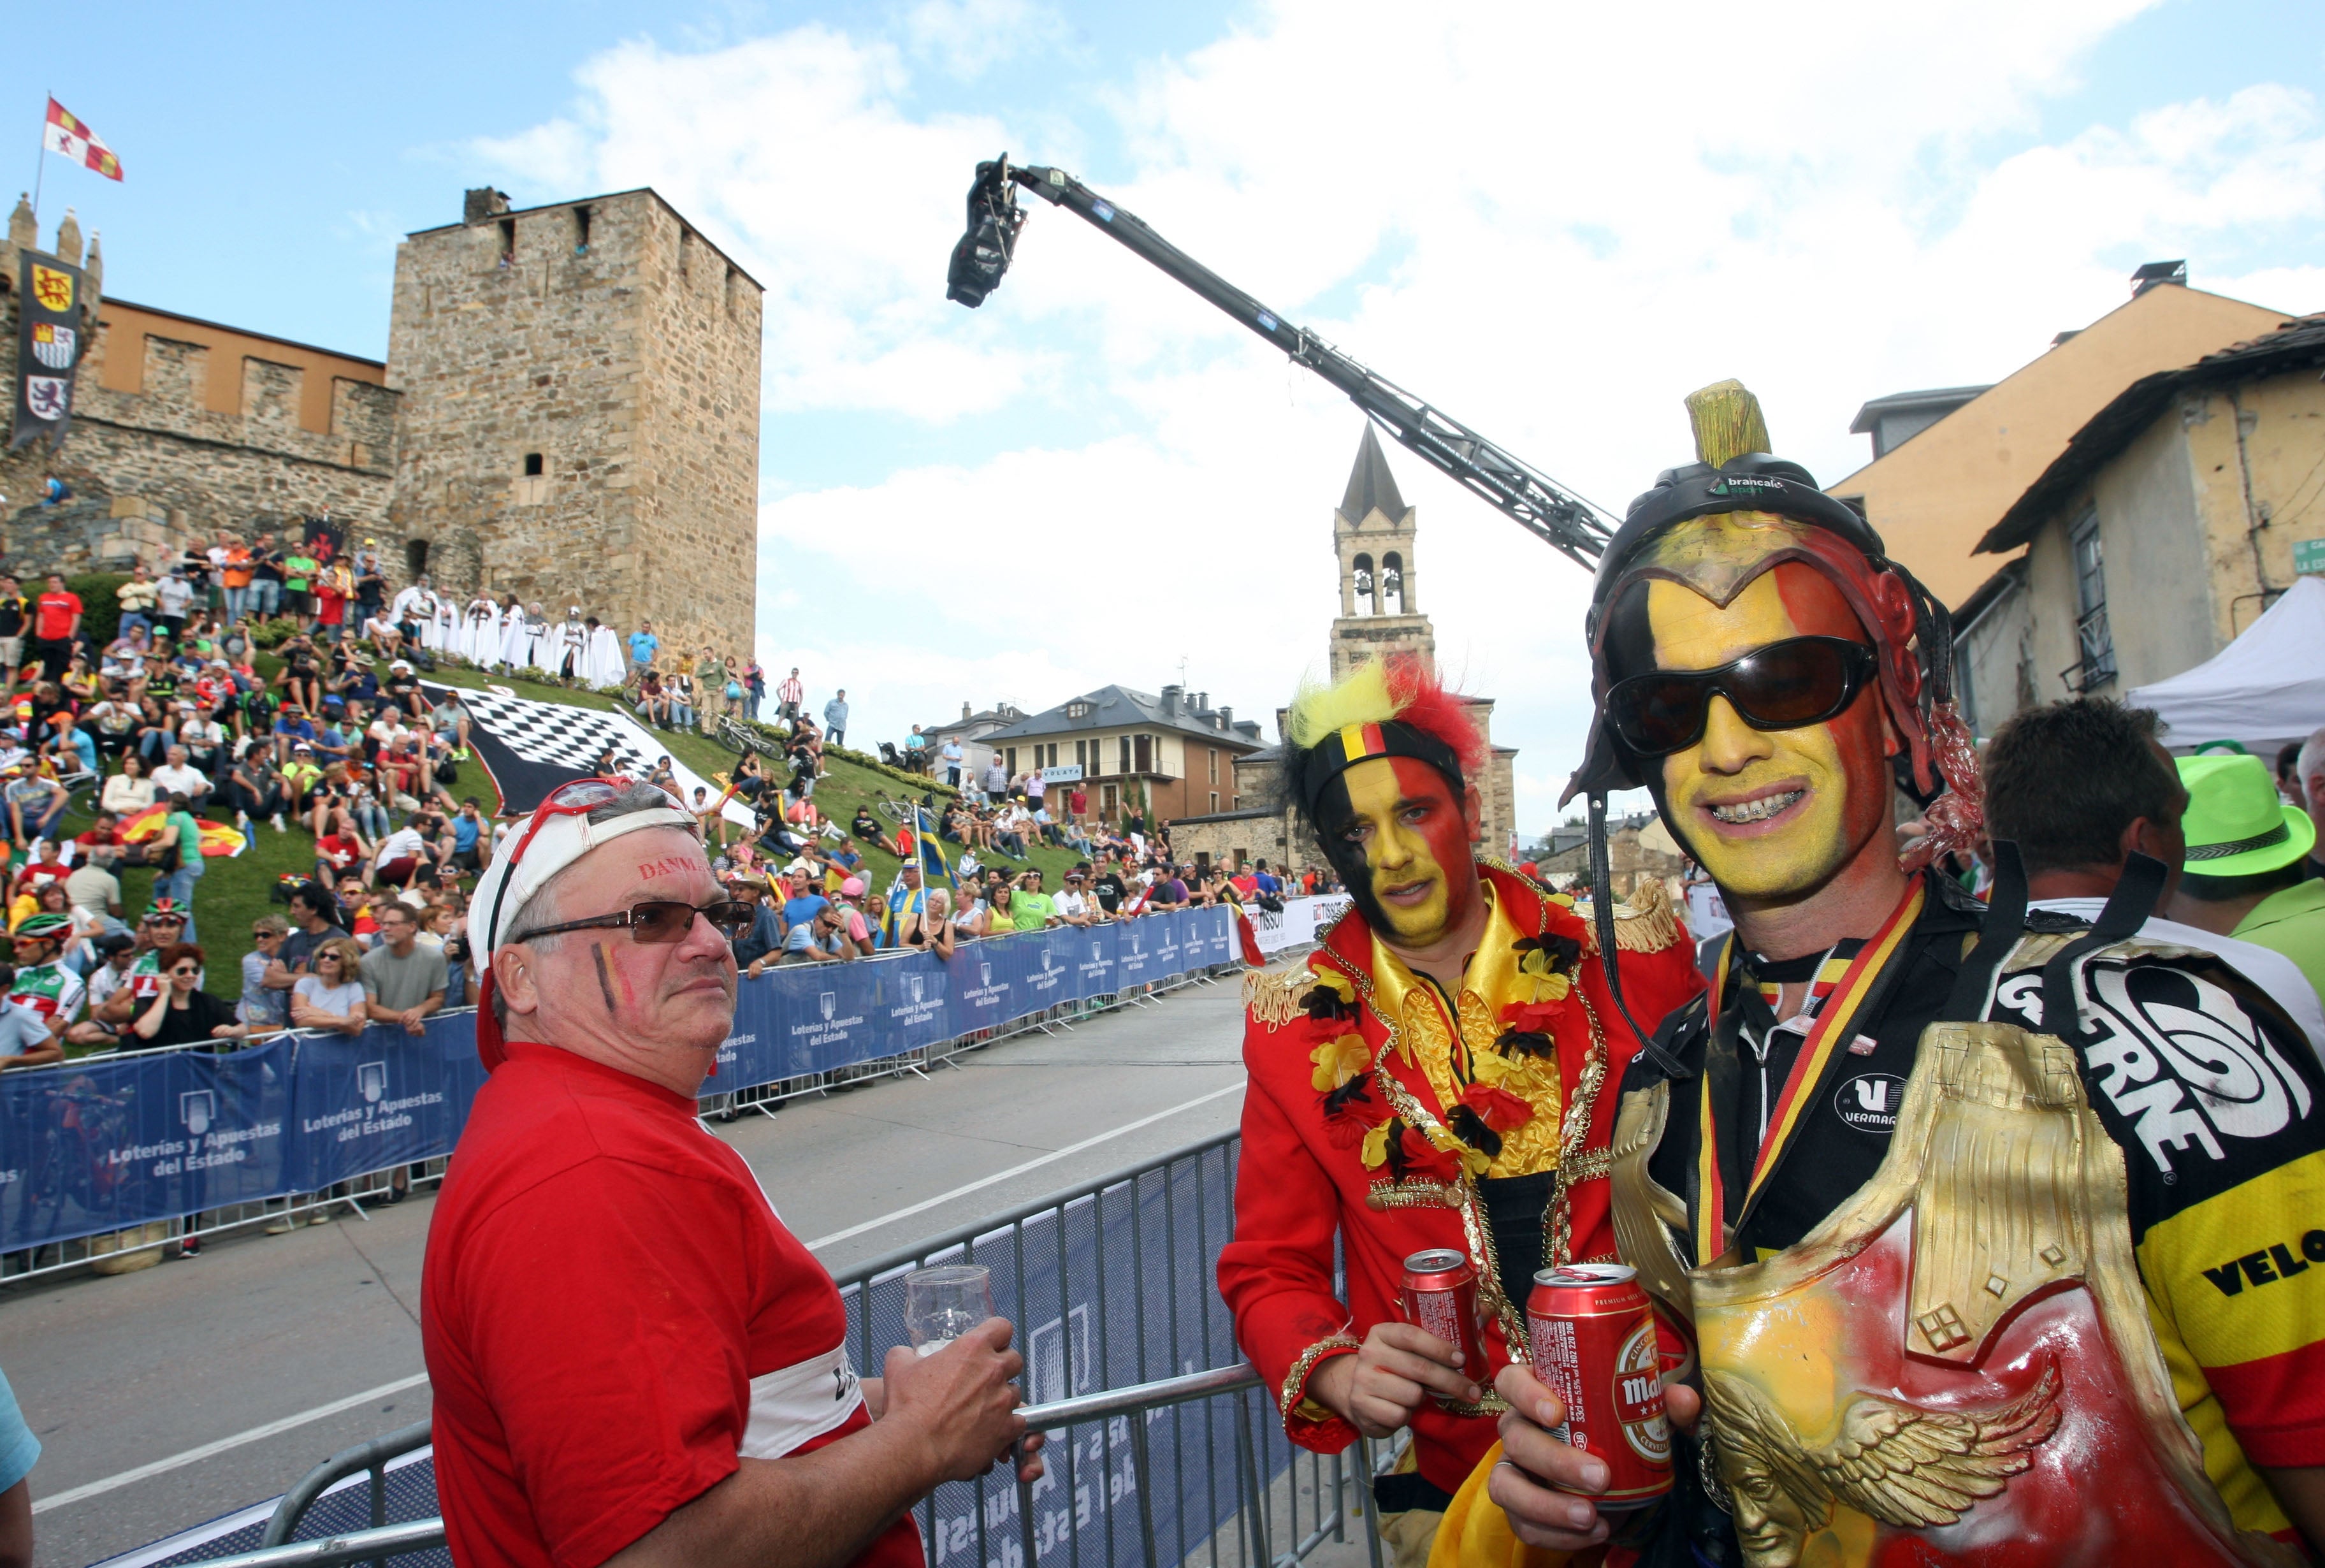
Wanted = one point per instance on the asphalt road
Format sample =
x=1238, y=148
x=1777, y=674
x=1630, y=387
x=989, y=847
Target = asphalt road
x=146, y=1389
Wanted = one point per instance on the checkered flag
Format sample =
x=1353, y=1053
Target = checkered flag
x=529, y=748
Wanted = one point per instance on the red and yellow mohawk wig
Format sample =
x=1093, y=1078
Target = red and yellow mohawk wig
x=1388, y=706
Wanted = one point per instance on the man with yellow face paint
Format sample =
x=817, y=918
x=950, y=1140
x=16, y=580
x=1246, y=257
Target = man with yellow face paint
x=1438, y=1074
x=1952, y=1200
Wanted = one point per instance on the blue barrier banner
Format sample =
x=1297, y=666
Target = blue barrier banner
x=1095, y=966
x=751, y=1052
x=381, y=1098
x=823, y=1017
x=96, y=1147
x=988, y=989
x=1049, y=969
x=912, y=997
x=85, y=1150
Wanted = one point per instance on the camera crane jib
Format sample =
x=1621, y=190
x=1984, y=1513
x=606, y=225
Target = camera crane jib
x=1565, y=521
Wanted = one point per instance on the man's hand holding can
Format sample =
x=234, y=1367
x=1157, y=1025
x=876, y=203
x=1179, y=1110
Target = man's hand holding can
x=1546, y=1485
x=1398, y=1366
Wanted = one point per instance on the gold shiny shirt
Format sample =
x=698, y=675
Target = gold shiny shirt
x=1414, y=1007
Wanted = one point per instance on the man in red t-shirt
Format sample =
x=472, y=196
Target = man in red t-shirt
x=56, y=622
x=632, y=1358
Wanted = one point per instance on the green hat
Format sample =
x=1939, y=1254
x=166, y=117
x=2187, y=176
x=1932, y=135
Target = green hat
x=45, y=927
x=2234, y=823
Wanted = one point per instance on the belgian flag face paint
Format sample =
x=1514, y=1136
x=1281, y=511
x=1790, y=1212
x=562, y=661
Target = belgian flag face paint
x=1401, y=841
x=1772, y=814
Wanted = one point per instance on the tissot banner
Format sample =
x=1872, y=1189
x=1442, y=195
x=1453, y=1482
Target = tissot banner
x=49, y=344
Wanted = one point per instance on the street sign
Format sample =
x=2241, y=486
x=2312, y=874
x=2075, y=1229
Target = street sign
x=2309, y=557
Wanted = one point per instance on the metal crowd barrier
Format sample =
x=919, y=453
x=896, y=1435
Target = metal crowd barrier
x=1163, y=1448
x=1265, y=1526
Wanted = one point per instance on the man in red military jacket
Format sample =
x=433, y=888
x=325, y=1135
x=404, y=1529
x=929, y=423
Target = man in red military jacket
x=1439, y=1074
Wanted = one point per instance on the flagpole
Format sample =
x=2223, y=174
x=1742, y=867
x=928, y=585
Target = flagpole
x=40, y=170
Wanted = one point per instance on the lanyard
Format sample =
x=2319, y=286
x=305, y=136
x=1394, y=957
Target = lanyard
x=1834, y=1024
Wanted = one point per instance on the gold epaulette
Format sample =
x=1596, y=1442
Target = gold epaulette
x=1272, y=996
x=1645, y=923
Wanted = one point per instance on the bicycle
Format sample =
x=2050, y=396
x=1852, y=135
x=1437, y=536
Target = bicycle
x=741, y=738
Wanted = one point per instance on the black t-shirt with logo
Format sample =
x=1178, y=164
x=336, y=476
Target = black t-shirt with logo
x=1109, y=889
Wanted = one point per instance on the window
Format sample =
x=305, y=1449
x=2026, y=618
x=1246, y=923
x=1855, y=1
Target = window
x=1009, y=761
x=415, y=557
x=1391, y=584
x=508, y=243
x=1051, y=753
x=2097, y=645
x=1212, y=753
x=1145, y=750
x=533, y=465
x=1215, y=803
x=580, y=231
x=1078, y=710
x=1125, y=743
x=1362, y=565
x=1081, y=754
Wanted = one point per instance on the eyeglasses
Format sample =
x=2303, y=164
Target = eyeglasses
x=660, y=920
x=1786, y=685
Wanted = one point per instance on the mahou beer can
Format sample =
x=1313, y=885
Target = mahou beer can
x=1440, y=1296
x=1593, y=1335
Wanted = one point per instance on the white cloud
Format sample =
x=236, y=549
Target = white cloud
x=1555, y=221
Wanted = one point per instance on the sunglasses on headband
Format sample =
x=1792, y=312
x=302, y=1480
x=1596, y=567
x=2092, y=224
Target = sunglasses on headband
x=1786, y=685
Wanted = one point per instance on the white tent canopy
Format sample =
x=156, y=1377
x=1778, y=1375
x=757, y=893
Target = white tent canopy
x=2263, y=690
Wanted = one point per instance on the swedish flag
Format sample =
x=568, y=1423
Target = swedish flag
x=936, y=868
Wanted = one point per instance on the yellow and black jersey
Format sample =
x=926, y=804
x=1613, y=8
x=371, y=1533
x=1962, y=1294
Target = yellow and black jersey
x=2217, y=1102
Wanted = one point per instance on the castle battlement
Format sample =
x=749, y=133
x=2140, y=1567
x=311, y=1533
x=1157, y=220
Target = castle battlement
x=569, y=411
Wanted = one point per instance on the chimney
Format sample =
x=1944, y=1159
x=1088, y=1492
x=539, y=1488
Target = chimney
x=1202, y=701
x=1227, y=717
x=2158, y=272
x=964, y=713
x=480, y=205
x=1170, y=695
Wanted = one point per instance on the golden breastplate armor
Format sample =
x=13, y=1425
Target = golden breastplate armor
x=1957, y=1366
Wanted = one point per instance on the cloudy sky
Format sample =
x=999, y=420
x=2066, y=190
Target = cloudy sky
x=1552, y=220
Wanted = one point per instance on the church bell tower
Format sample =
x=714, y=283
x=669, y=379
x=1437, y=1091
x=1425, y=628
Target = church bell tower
x=1380, y=595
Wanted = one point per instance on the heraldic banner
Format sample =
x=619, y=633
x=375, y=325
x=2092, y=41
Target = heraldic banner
x=47, y=346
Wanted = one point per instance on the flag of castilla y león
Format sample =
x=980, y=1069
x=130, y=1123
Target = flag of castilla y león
x=74, y=139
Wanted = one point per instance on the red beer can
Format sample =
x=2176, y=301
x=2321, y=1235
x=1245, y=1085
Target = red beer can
x=1593, y=1335
x=1440, y=1296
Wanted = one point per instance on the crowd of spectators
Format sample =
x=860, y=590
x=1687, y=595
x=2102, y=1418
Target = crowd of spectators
x=176, y=740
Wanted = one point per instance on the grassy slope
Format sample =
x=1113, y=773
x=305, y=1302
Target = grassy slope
x=233, y=893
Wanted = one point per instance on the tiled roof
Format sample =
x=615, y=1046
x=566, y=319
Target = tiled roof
x=1120, y=708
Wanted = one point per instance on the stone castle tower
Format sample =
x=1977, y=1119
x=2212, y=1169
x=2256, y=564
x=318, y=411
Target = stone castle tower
x=1373, y=540
x=579, y=417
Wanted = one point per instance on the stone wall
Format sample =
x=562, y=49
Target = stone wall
x=629, y=365
x=159, y=468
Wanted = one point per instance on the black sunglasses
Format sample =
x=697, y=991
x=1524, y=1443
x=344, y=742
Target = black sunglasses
x=661, y=920
x=1799, y=681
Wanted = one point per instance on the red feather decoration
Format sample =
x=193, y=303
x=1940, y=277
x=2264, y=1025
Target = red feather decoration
x=1425, y=704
